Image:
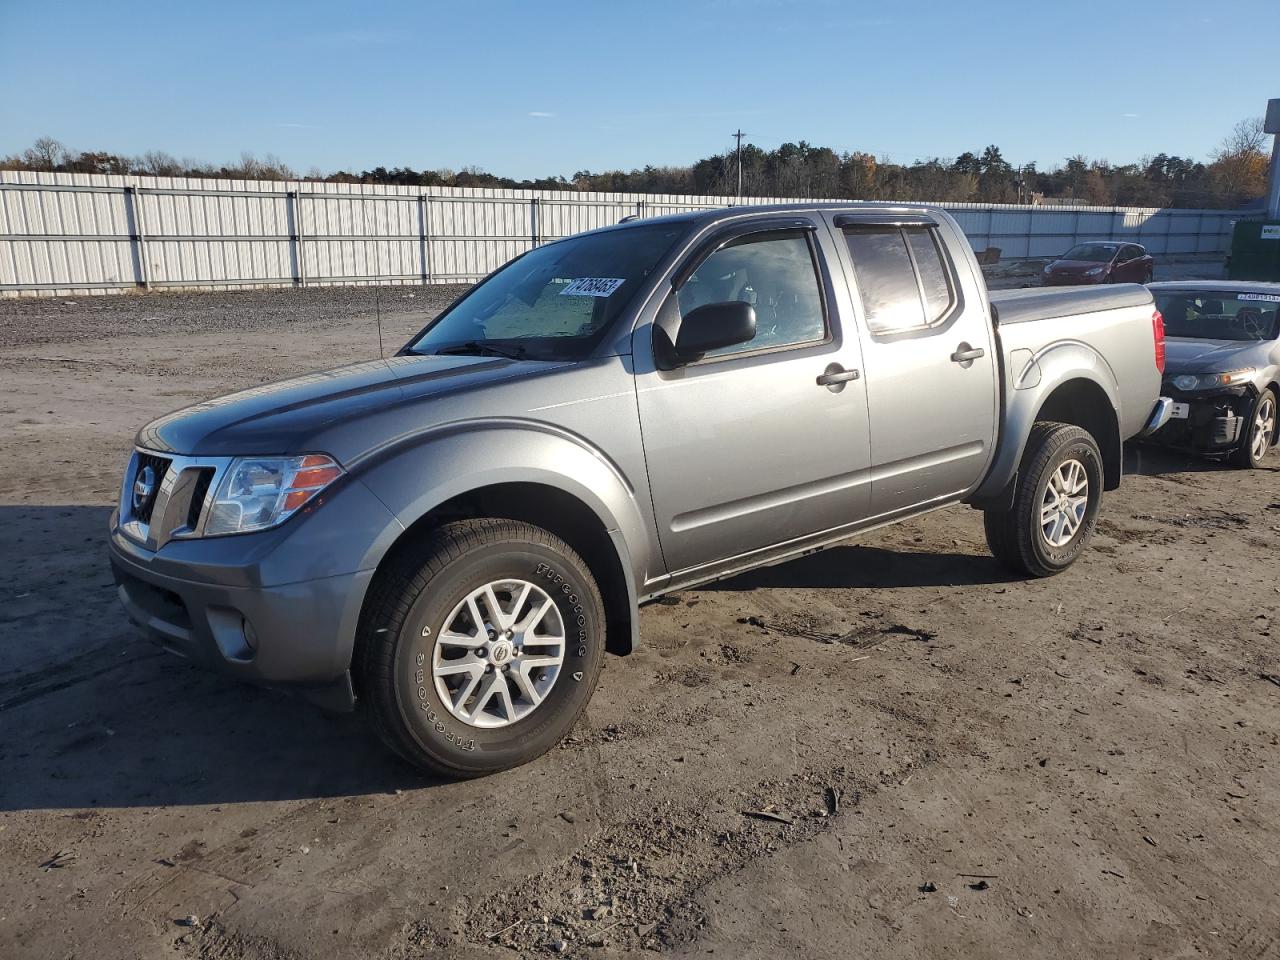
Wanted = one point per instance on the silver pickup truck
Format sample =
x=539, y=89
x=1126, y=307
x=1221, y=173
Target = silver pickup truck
x=452, y=538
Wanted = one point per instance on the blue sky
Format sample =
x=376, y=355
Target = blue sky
x=529, y=89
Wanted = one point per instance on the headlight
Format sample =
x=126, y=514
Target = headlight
x=1094, y=272
x=1188, y=382
x=260, y=492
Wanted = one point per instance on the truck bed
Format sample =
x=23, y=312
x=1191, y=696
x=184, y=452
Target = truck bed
x=1088, y=328
x=1021, y=306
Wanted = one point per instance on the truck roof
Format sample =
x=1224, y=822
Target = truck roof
x=713, y=214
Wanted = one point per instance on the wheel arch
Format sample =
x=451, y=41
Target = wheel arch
x=1083, y=403
x=558, y=512
x=1070, y=383
x=552, y=480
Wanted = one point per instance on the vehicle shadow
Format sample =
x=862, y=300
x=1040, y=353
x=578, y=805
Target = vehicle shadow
x=92, y=715
x=1150, y=460
x=866, y=567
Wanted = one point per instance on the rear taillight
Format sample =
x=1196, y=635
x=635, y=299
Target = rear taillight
x=1157, y=331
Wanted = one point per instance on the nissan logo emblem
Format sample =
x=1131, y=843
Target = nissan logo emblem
x=143, y=487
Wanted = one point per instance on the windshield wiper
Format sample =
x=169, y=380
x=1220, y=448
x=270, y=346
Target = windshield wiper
x=481, y=348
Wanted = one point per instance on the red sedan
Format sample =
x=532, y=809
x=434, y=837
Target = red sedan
x=1100, y=261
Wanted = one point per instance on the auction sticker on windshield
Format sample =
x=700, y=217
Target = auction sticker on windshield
x=1267, y=297
x=592, y=287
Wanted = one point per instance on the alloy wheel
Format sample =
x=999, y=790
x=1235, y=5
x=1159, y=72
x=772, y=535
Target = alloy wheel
x=499, y=653
x=1264, y=426
x=1066, y=498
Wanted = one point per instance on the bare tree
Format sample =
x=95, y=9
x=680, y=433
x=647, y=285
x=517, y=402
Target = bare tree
x=1247, y=136
x=1240, y=164
x=157, y=163
x=45, y=154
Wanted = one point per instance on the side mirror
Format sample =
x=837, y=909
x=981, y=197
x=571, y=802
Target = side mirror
x=714, y=326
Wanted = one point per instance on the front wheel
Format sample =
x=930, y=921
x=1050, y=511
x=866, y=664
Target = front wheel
x=1260, y=434
x=1055, y=505
x=480, y=647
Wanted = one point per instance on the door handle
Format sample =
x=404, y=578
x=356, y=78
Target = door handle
x=835, y=377
x=966, y=354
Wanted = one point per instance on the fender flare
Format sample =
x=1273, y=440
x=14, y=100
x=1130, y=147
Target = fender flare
x=415, y=475
x=1032, y=381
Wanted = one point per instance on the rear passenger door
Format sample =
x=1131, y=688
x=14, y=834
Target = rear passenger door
x=928, y=357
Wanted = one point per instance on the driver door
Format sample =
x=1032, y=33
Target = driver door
x=749, y=446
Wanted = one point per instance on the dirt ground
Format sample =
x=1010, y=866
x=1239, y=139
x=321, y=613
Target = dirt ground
x=888, y=750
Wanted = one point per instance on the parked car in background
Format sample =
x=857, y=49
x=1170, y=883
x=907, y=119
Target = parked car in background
x=453, y=537
x=1100, y=261
x=1222, y=366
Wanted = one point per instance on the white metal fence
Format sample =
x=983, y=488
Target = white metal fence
x=75, y=233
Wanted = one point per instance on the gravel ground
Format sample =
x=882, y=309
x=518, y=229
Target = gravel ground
x=31, y=321
x=891, y=744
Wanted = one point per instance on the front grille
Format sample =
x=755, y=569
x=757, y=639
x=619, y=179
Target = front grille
x=204, y=477
x=171, y=489
x=158, y=466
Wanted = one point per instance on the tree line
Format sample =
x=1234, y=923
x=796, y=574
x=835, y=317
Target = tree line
x=1235, y=174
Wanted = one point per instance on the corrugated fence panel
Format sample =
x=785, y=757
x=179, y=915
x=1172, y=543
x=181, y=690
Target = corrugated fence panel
x=564, y=218
x=81, y=232
x=471, y=237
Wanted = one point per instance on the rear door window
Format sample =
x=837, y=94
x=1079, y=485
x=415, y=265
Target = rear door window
x=903, y=276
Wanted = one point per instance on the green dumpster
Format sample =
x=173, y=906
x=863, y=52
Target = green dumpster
x=1255, y=250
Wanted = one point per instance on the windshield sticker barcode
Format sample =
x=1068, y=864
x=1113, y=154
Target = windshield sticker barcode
x=1267, y=297
x=592, y=287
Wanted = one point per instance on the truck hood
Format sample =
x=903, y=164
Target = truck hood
x=284, y=417
x=1212, y=356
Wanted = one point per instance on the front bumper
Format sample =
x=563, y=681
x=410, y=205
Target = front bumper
x=1214, y=423
x=278, y=608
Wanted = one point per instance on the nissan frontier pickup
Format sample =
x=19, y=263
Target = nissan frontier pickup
x=452, y=538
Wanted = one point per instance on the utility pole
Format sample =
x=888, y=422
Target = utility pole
x=739, y=135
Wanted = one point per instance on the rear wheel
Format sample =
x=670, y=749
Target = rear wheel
x=1055, y=505
x=1260, y=435
x=480, y=648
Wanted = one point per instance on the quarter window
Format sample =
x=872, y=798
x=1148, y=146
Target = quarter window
x=776, y=274
x=935, y=281
x=903, y=277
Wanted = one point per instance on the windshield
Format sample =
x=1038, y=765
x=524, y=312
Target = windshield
x=1214, y=315
x=554, y=303
x=1093, y=252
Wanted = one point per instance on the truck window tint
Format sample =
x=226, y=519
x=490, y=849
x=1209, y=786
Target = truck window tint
x=935, y=281
x=886, y=279
x=777, y=276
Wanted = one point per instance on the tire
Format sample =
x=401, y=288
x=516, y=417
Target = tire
x=1016, y=536
x=422, y=604
x=1261, y=433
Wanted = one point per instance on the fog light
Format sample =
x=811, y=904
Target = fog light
x=250, y=635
